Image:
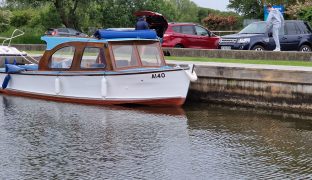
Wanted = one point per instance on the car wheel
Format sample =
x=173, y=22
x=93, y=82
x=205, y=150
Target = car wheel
x=179, y=46
x=258, y=48
x=305, y=48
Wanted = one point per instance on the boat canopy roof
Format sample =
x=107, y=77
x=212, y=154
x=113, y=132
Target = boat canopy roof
x=103, y=36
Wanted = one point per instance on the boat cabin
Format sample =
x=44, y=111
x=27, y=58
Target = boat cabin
x=108, y=52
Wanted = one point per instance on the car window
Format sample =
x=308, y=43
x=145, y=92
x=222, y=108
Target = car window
x=62, y=58
x=72, y=31
x=93, y=57
x=306, y=28
x=176, y=29
x=201, y=31
x=63, y=30
x=187, y=30
x=254, y=28
x=292, y=29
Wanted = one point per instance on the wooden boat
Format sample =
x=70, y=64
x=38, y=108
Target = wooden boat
x=117, y=67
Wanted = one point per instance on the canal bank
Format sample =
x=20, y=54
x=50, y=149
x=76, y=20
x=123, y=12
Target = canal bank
x=265, y=86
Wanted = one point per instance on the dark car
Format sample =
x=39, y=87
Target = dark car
x=295, y=35
x=65, y=32
x=189, y=35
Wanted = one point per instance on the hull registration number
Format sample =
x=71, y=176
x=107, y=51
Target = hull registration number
x=158, y=75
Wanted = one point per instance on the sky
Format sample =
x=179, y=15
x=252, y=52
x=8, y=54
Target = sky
x=213, y=4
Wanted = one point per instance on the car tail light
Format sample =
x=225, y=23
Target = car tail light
x=166, y=37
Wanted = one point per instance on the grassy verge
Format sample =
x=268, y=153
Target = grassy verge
x=242, y=61
x=31, y=36
x=35, y=52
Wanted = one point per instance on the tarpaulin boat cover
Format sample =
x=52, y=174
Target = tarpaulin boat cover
x=111, y=34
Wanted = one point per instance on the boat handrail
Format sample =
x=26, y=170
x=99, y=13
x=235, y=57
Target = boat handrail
x=21, y=33
x=14, y=35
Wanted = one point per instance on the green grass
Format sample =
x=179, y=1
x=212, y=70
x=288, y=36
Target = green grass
x=31, y=36
x=242, y=61
x=35, y=52
x=222, y=60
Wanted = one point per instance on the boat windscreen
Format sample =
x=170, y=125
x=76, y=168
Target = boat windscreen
x=126, y=55
x=150, y=54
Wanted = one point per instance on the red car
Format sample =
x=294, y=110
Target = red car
x=180, y=35
x=189, y=35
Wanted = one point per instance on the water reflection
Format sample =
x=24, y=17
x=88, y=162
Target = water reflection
x=59, y=140
x=50, y=140
x=250, y=143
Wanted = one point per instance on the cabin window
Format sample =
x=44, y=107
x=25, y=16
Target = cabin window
x=63, y=58
x=150, y=55
x=93, y=57
x=125, y=56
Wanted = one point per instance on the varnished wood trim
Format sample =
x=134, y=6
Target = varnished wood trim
x=89, y=73
x=79, y=49
x=150, y=102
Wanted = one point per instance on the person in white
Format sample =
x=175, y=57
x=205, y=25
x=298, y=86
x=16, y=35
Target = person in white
x=276, y=20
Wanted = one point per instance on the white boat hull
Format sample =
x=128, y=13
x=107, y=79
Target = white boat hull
x=152, y=88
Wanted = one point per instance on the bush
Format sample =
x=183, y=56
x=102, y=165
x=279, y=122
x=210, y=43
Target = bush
x=306, y=14
x=47, y=18
x=31, y=36
x=219, y=22
x=21, y=18
x=5, y=17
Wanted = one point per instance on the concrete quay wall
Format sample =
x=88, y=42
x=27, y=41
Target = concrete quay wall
x=287, y=89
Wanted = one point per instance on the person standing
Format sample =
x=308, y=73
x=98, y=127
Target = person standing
x=276, y=20
x=141, y=24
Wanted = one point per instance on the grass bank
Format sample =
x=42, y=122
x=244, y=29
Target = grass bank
x=31, y=36
x=242, y=61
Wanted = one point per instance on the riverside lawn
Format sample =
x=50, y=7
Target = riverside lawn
x=225, y=60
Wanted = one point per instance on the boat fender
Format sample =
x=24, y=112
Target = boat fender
x=191, y=75
x=11, y=68
x=104, y=87
x=6, y=81
x=57, y=85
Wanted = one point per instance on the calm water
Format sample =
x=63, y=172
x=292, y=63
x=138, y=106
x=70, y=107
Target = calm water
x=50, y=140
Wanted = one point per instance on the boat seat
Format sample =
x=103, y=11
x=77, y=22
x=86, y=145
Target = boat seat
x=97, y=65
x=122, y=63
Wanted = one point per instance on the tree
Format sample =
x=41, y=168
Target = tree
x=301, y=11
x=5, y=17
x=249, y=9
x=67, y=9
x=21, y=18
x=254, y=9
x=186, y=10
x=219, y=22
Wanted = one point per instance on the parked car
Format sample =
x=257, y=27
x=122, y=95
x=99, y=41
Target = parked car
x=295, y=35
x=180, y=35
x=65, y=32
x=189, y=35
